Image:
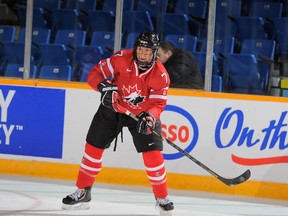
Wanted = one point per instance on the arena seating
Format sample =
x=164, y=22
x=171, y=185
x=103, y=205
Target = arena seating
x=7, y=33
x=39, y=35
x=243, y=74
x=82, y=23
x=188, y=42
x=110, y=5
x=17, y=70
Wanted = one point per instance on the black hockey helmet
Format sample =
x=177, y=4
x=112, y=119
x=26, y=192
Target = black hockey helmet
x=149, y=40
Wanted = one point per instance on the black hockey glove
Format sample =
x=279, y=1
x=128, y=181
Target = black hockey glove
x=109, y=95
x=146, y=123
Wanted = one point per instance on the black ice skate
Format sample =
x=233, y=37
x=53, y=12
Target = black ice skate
x=78, y=200
x=165, y=206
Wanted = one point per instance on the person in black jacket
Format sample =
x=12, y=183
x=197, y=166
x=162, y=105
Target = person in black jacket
x=181, y=65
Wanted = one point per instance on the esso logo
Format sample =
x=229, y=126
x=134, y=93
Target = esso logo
x=172, y=132
x=179, y=127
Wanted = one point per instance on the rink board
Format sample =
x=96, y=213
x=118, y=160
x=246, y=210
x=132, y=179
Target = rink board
x=228, y=133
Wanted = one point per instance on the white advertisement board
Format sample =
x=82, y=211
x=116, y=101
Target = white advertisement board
x=227, y=135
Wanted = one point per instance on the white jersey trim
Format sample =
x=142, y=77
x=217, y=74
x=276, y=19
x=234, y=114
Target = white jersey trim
x=102, y=71
x=158, y=97
x=111, y=69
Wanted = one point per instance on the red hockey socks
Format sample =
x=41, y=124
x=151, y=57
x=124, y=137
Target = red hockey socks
x=90, y=166
x=155, y=169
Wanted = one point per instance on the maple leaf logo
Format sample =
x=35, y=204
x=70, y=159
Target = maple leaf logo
x=132, y=95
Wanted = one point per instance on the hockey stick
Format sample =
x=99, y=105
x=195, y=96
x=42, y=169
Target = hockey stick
x=227, y=181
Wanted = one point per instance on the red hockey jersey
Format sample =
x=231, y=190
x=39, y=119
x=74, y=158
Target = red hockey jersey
x=146, y=91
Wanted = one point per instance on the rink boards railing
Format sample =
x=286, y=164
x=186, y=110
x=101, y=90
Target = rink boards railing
x=44, y=124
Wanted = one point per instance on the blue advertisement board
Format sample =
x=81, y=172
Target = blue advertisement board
x=31, y=121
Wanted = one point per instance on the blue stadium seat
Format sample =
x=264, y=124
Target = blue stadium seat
x=282, y=48
x=175, y=24
x=70, y=37
x=282, y=52
x=266, y=9
x=82, y=6
x=217, y=84
x=39, y=18
x=105, y=40
x=85, y=57
x=39, y=35
x=47, y=4
x=264, y=51
x=248, y=6
x=193, y=8
x=187, y=42
x=280, y=35
x=141, y=22
x=259, y=47
x=7, y=33
x=14, y=52
x=2, y=59
x=53, y=54
x=56, y=72
x=197, y=12
x=130, y=41
x=155, y=9
x=100, y=21
x=110, y=5
x=226, y=9
x=65, y=19
x=285, y=9
x=11, y=52
x=87, y=53
x=244, y=77
x=223, y=45
x=79, y=5
x=226, y=30
x=17, y=70
x=201, y=59
x=250, y=28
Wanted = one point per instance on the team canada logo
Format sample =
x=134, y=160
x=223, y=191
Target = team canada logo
x=132, y=96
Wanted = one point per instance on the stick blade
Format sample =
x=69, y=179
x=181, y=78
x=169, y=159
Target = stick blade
x=237, y=180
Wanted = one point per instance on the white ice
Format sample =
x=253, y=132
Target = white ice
x=35, y=196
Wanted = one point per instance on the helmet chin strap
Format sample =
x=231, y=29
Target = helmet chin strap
x=143, y=69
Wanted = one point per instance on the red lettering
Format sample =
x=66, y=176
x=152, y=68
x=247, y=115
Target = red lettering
x=183, y=134
x=172, y=133
x=164, y=127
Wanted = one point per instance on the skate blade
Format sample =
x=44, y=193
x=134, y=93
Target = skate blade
x=164, y=213
x=78, y=206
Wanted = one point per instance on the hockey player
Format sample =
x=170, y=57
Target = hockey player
x=139, y=82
